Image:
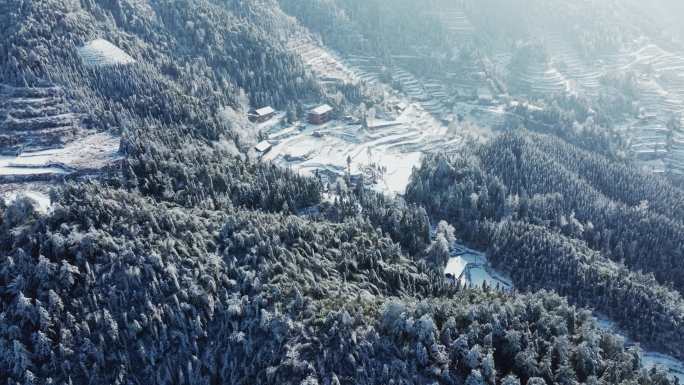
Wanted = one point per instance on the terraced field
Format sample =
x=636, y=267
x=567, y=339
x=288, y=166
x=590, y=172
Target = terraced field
x=101, y=52
x=384, y=155
x=412, y=120
x=660, y=101
x=431, y=96
x=366, y=68
x=325, y=64
x=455, y=21
x=86, y=154
x=582, y=77
x=542, y=79
x=34, y=118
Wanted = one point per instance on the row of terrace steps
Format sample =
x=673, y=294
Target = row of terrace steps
x=432, y=99
x=543, y=80
x=366, y=68
x=568, y=62
x=455, y=21
x=675, y=159
x=324, y=63
x=662, y=97
x=35, y=117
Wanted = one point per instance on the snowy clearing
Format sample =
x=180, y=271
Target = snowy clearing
x=41, y=200
x=90, y=152
x=385, y=156
x=100, y=52
x=398, y=131
x=471, y=267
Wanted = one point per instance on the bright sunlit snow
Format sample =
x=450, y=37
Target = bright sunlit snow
x=472, y=267
x=101, y=52
x=41, y=199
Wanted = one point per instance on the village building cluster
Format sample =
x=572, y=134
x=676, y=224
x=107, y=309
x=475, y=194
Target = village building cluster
x=318, y=115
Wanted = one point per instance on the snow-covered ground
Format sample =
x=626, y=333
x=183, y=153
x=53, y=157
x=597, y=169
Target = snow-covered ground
x=660, y=82
x=101, y=52
x=90, y=152
x=472, y=267
x=649, y=359
x=6, y=168
x=386, y=154
x=412, y=124
x=41, y=199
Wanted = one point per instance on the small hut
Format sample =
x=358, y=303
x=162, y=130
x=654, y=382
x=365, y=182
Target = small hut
x=320, y=114
x=262, y=114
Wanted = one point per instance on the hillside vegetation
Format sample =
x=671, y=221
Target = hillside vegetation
x=193, y=263
x=560, y=218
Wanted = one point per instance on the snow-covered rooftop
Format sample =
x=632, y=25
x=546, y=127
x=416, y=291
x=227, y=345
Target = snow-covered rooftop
x=101, y=52
x=323, y=109
x=264, y=111
x=263, y=146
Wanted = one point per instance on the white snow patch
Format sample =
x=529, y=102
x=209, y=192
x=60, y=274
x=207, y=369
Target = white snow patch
x=40, y=199
x=101, y=52
x=90, y=152
x=9, y=167
x=472, y=267
x=457, y=265
x=385, y=155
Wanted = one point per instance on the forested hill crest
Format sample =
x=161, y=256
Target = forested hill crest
x=533, y=195
x=114, y=287
x=199, y=53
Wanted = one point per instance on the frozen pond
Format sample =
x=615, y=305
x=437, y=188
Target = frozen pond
x=649, y=359
x=472, y=267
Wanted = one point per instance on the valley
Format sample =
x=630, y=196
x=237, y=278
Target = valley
x=472, y=267
x=467, y=101
x=649, y=359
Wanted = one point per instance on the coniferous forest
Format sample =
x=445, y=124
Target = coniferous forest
x=561, y=218
x=190, y=261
